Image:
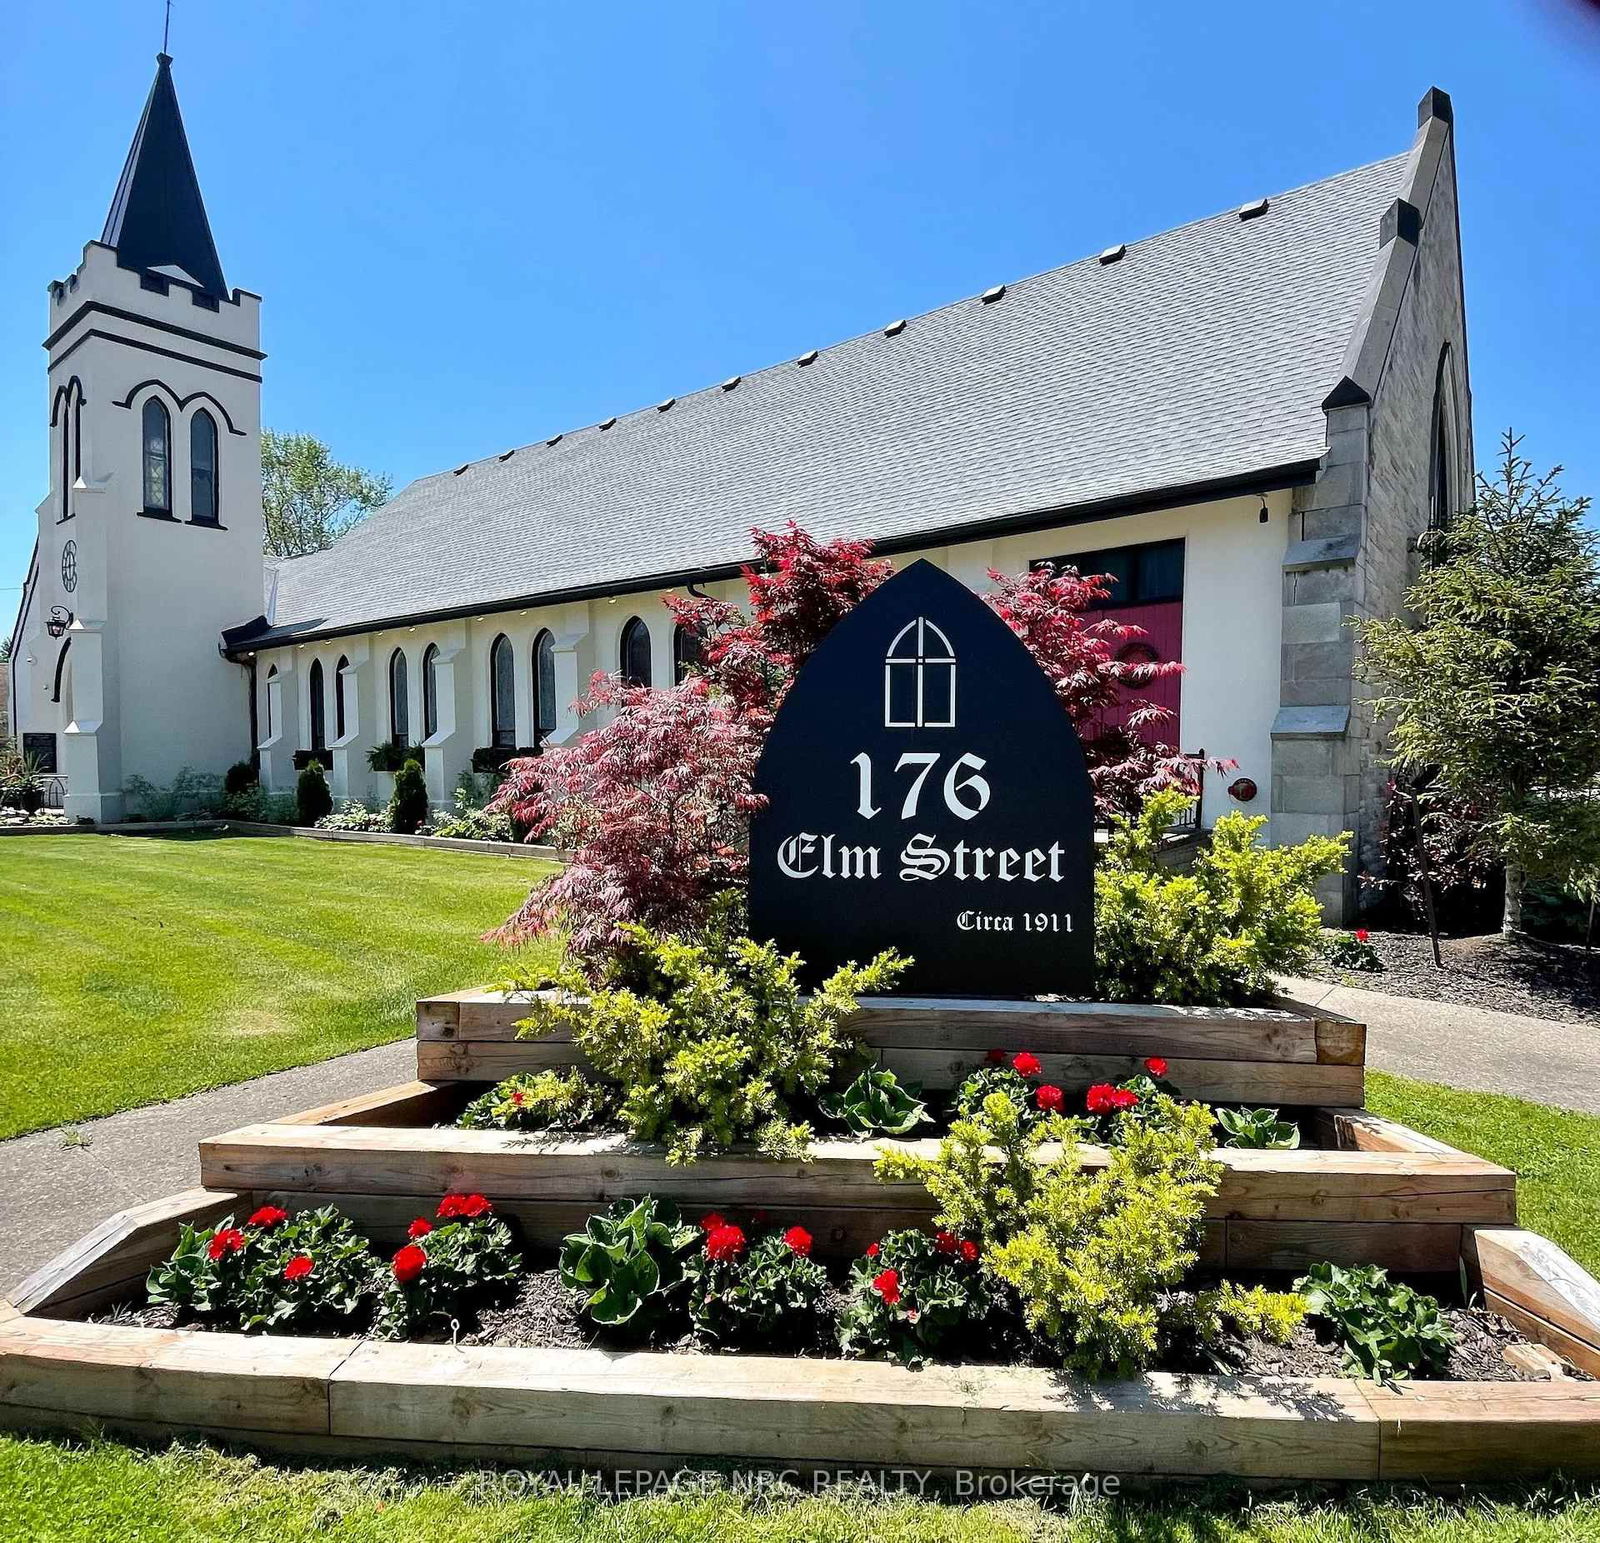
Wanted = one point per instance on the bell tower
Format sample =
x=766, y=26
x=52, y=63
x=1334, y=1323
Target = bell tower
x=149, y=541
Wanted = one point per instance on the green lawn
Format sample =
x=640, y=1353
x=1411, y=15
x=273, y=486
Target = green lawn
x=136, y=969
x=108, y=1493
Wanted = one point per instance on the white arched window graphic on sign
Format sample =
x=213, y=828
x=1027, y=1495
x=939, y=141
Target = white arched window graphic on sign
x=919, y=679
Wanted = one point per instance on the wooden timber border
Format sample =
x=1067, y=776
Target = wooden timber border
x=596, y=1408
x=1286, y=1054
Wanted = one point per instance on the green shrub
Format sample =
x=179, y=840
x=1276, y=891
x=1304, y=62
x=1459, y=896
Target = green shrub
x=1259, y=1129
x=1386, y=1329
x=769, y=1291
x=312, y=799
x=355, y=815
x=469, y=820
x=875, y=1103
x=409, y=806
x=913, y=1294
x=627, y=1261
x=711, y=1040
x=543, y=1100
x=276, y=1272
x=1351, y=951
x=1214, y=936
x=240, y=778
x=1011, y=1076
x=460, y=1258
x=257, y=804
x=190, y=794
x=1209, y=1324
x=1090, y=1252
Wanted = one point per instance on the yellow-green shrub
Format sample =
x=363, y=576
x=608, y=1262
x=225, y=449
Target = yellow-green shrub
x=1213, y=936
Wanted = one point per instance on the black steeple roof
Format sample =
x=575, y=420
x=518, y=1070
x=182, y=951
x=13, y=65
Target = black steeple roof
x=157, y=220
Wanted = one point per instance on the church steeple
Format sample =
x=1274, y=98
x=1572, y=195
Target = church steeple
x=157, y=221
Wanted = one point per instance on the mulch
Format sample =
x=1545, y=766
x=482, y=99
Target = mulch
x=1526, y=976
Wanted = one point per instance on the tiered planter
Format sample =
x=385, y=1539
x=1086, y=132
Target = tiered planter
x=1372, y=1190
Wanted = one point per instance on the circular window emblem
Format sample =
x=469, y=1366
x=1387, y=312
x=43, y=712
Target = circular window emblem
x=69, y=566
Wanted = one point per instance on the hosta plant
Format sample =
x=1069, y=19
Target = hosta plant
x=710, y=1039
x=913, y=1293
x=754, y=1293
x=875, y=1103
x=1386, y=1329
x=1258, y=1129
x=275, y=1272
x=552, y=1099
x=450, y=1263
x=627, y=1261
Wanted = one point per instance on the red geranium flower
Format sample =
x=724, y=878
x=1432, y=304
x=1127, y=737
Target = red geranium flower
x=229, y=1241
x=299, y=1267
x=1048, y=1097
x=887, y=1284
x=1156, y=1065
x=712, y=1220
x=420, y=1228
x=724, y=1243
x=517, y=1096
x=463, y=1205
x=946, y=1242
x=969, y=1250
x=1026, y=1062
x=799, y=1240
x=268, y=1216
x=408, y=1264
x=995, y=1057
x=1103, y=1098
x=872, y=1250
x=1362, y=935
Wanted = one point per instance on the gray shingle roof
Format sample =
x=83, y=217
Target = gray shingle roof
x=1201, y=354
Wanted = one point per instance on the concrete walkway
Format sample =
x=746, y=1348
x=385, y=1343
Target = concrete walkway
x=53, y=1190
x=1541, y=1059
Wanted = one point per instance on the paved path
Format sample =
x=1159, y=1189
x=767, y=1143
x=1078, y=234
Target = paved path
x=1469, y=1047
x=51, y=1193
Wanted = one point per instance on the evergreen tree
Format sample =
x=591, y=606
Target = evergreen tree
x=409, y=807
x=312, y=800
x=1493, y=679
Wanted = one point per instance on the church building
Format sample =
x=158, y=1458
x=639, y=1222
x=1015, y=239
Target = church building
x=1248, y=420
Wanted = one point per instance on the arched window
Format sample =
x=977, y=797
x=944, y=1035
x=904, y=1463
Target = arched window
x=69, y=408
x=635, y=652
x=157, y=457
x=338, y=696
x=399, y=705
x=919, y=679
x=544, y=683
x=61, y=677
x=685, y=651
x=1442, y=497
x=274, y=692
x=203, y=468
x=502, y=693
x=430, y=691
x=319, y=714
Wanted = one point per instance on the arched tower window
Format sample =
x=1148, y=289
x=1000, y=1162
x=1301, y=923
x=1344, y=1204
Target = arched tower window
x=634, y=653
x=274, y=694
x=157, y=423
x=203, y=468
x=685, y=651
x=319, y=713
x=68, y=413
x=502, y=693
x=430, y=691
x=399, y=706
x=919, y=679
x=544, y=683
x=338, y=696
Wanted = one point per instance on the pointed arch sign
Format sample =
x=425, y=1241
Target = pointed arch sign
x=927, y=792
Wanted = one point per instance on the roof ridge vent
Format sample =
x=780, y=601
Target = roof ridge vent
x=895, y=328
x=1254, y=211
x=993, y=293
x=810, y=357
x=731, y=382
x=554, y=439
x=610, y=423
x=1114, y=254
x=506, y=455
x=461, y=468
x=662, y=407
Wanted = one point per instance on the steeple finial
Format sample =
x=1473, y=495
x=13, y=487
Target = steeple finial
x=157, y=220
x=166, y=27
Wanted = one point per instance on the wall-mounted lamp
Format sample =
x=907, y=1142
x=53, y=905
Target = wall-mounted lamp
x=1243, y=788
x=59, y=620
x=1264, y=515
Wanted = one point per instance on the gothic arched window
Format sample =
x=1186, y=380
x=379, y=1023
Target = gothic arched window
x=1443, y=499
x=685, y=651
x=319, y=712
x=399, y=705
x=544, y=683
x=338, y=696
x=274, y=699
x=919, y=679
x=203, y=468
x=634, y=652
x=430, y=691
x=157, y=423
x=502, y=693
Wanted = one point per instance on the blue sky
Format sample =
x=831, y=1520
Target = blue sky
x=477, y=224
